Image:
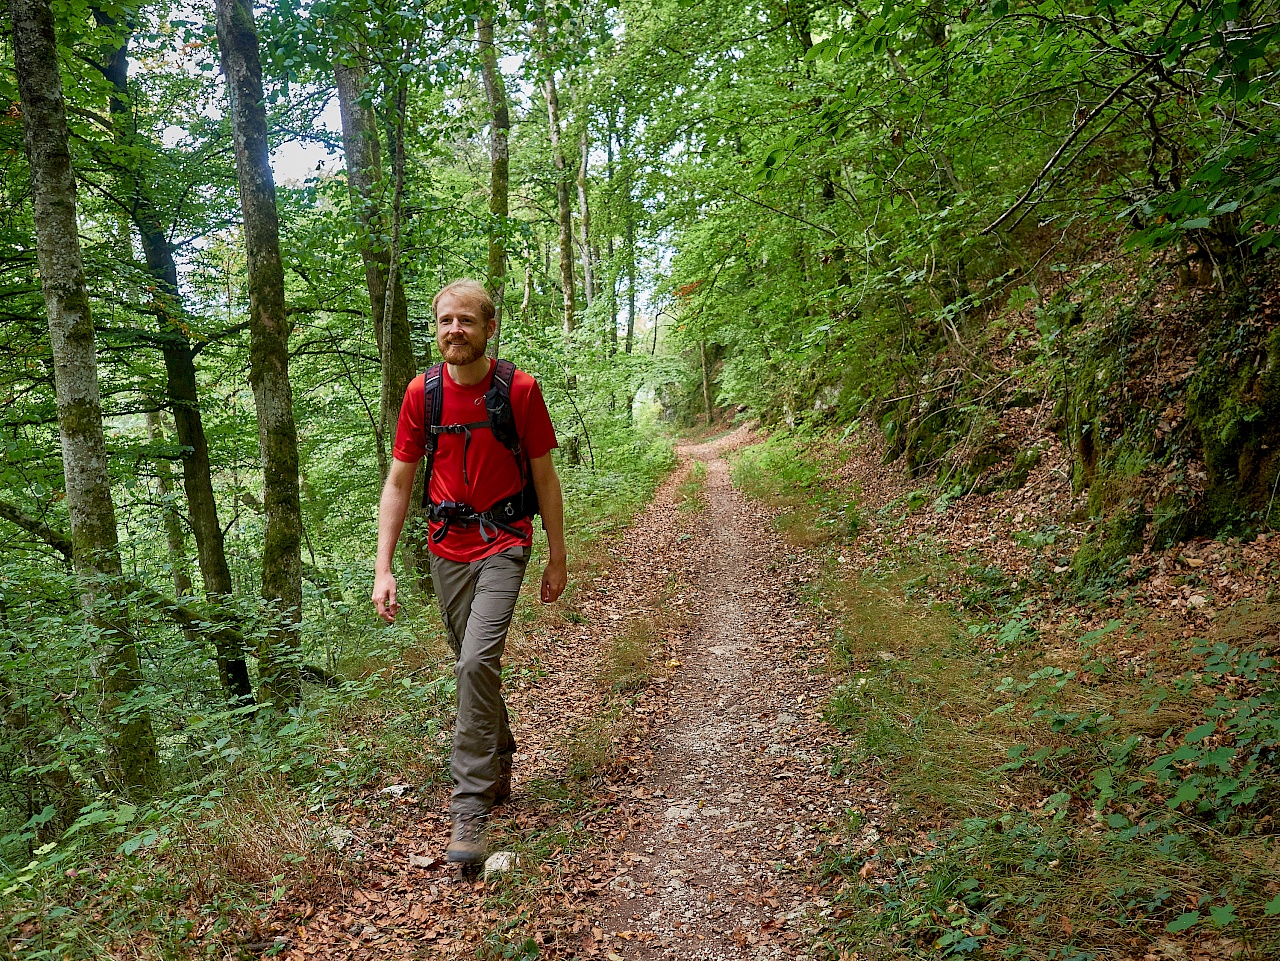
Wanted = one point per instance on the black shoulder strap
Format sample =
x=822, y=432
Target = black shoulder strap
x=498, y=406
x=432, y=406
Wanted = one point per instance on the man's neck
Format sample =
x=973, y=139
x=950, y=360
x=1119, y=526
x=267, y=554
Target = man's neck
x=469, y=374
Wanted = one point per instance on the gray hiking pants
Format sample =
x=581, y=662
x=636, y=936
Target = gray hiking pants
x=476, y=602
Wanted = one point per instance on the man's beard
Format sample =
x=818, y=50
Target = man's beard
x=459, y=354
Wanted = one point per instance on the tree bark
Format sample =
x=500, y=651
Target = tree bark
x=564, y=210
x=181, y=386
x=269, y=353
x=629, y=340
x=706, y=378
x=133, y=760
x=495, y=91
x=584, y=221
x=362, y=148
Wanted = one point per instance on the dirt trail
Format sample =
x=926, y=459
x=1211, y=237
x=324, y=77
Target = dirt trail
x=731, y=806
x=696, y=833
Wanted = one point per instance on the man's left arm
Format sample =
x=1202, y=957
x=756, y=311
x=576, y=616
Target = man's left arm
x=551, y=506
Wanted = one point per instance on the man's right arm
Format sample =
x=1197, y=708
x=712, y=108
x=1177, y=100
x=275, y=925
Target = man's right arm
x=392, y=510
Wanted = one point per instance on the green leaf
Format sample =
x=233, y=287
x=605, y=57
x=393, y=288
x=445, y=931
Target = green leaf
x=1189, y=791
x=1272, y=907
x=1182, y=922
x=1222, y=916
x=1219, y=756
x=145, y=839
x=1201, y=732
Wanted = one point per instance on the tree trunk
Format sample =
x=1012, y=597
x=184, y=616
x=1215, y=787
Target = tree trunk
x=197, y=477
x=706, y=378
x=174, y=534
x=181, y=387
x=526, y=299
x=130, y=739
x=269, y=353
x=629, y=341
x=362, y=148
x=495, y=91
x=584, y=221
x=363, y=151
x=610, y=231
x=565, y=212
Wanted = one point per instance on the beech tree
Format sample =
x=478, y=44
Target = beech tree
x=269, y=368
x=499, y=118
x=95, y=542
x=133, y=165
x=564, y=210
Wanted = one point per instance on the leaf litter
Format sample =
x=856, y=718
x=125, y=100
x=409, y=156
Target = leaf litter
x=696, y=829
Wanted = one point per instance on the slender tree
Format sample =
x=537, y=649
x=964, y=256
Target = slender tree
x=362, y=148
x=269, y=351
x=95, y=553
x=174, y=534
x=495, y=91
x=134, y=173
x=584, y=219
x=563, y=209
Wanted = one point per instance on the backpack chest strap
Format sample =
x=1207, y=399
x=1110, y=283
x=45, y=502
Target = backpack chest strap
x=465, y=430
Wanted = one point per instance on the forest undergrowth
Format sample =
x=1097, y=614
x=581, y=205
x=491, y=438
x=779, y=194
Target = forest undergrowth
x=263, y=815
x=1081, y=769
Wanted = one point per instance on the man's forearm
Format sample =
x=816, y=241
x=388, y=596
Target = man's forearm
x=392, y=510
x=553, y=523
x=551, y=506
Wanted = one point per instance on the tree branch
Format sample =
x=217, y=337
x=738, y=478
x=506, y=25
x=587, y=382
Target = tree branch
x=1065, y=146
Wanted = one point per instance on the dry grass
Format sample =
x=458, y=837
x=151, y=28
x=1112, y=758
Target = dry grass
x=254, y=840
x=931, y=713
x=691, y=494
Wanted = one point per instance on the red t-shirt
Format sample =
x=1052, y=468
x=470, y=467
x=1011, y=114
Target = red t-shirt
x=492, y=472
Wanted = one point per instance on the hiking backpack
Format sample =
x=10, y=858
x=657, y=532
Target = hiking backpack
x=501, y=421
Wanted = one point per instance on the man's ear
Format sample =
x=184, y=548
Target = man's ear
x=491, y=328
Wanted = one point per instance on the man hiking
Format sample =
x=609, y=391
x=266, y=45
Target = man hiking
x=484, y=429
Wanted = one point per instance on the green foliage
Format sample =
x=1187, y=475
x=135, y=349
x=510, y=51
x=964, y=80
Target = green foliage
x=1075, y=790
x=785, y=472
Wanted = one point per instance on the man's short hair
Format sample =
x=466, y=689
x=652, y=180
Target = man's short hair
x=471, y=290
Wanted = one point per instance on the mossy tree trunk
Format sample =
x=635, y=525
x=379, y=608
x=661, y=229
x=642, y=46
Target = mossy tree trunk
x=130, y=739
x=362, y=149
x=495, y=91
x=564, y=210
x=269, y=353
x=181, y=384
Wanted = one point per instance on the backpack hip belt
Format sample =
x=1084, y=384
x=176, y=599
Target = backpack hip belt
x=500, y=517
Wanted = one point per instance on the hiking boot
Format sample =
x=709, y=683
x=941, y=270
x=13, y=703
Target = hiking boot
x=468, y=846
x=502, y=789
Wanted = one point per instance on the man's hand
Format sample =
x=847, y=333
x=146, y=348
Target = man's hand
x=554, y=579
x=384, y=596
